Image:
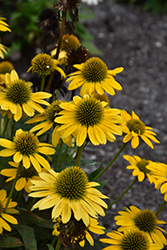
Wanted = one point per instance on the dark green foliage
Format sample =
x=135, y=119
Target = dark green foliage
x=155, y=6
x=22, y=17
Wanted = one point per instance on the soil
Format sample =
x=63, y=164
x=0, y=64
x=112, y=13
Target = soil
x=137, y=41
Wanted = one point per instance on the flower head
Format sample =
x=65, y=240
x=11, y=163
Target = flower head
x=76, y=56
x=70, y=6
x=5, y=213
x=19, y=99
x=48, y=122
x=68, y=191
x=5, y=67
x=69, y=42
x=44, y=64
x=89, y=117
x=26, y=147
x=143, y=220
x=75, y=231
x=94, y=76
x=159, y=171
x=131, y=240
x=102, y=98
x=135, y=128
x=139, y=167
x=24, y=178
x=48, y=22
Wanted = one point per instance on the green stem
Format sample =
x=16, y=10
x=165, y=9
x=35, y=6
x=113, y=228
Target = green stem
x=56, y=95
x=131, y=185
x=79, y=153
x=111, y=162
x=43, y=82
x=13, y=186
x=31, y=202
x=5, y=127
x=59, y=154
x=49, y=82
x=70, y=156
x=58, y=245
x=20, y=195
x=161, y=207
x=13, y=130
x=64, y=155
x=53, y=241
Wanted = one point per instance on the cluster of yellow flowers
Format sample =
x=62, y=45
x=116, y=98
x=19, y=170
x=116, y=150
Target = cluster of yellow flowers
x=87, y=117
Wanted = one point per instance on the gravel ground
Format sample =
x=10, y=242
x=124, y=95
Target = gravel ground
x=137, y=41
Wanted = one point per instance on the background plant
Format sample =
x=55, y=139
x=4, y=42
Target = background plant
x=155, y=6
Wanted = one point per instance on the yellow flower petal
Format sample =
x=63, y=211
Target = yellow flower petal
x=5, y=225
x=9, y=218
x=42, y=161
x=7, y=144
x=17, y=157
x=20, y=184
x=7, y=152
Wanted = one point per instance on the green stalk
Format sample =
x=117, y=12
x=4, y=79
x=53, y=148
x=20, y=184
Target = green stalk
x=131, y=185
x=64, y=155
x=79, y=153
x=53, y=241
x=43, y=82
x=161, y=208
x=70, y=156
x=31, y=202
x=13, y=185
x=58, y=245
x=59, y=154
x=56, y=95
x=5, y=127
x=13, y=130
x=49, y=82
x=111, y=162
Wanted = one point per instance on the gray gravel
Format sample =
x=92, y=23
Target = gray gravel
x=137, y=41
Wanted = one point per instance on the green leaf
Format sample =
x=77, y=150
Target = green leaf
x=82, y=32
x=27, y=234
x=102, y=184
x=8, y=242
x=86, y=14
x=50, y=247
x=29, y=218
x=94, y=173
x=91, y=48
